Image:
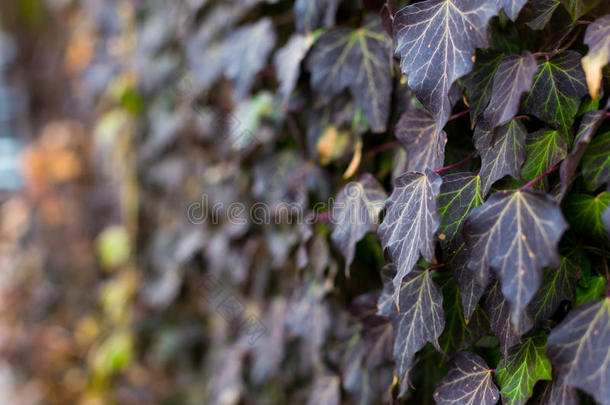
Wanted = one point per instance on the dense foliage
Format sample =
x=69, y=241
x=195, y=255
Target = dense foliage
x=353, y=201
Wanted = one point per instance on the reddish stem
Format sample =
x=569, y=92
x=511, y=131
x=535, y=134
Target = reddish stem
x=383, y=147
x=436, y=266
x=537, y=179
x=458, y=115
x=453, y=166
x=547, y=54
x=522, y=117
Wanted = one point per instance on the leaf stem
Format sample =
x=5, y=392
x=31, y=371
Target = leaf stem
x=547, y=54
x=537, y=179
x=458, y=115
x=453, y=166
x=436, y=266
x=383, y=147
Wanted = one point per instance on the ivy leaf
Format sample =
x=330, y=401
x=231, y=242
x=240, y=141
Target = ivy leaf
x=479, y=82
x=355, y=213
x=460, y=193
x=312, y=14
x=558, y=87
x=359, y=60
x=584, y=213
x=598, y=39
x=469, y=381
x=420, y=319
x=557, y=392
x=545, y=148
x=578, y=348
x=542, y=13
x=512, y=7
x=497, y=308
x=596, y=162
x=557, y=285
x=287, y=62
x=423, y=142
x=253, y=43
x=578, y=8
x=588, y=126
x=513, y=77
x=502, y=151
x=437, y=41
x=459, y=333
x=516, y=234
x=524, y=365
x=410, y=222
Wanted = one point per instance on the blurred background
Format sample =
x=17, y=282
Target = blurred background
x=115, y=117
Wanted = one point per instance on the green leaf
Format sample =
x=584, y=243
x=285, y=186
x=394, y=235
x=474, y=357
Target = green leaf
x=598, y=39
x=588, y=126
x=513, y=77
x=557, y=285
x=437, y=40
x=459, y=334
x=558, y=87
x=584, y=213
x=478, y=83
x=589, y=288
x=469, y=381
x=525, y=364
x=411, y=221
x=460, y=193
x=502, y=151
x=542, y=13
x=596, y=162
x=516, y=234
x=359, y=60
x=423, y=142
x=545, y=149
x=578, y=349
x=578, y=8
x=355, y=213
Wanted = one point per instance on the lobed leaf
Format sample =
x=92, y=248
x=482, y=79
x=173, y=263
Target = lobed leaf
x=469, y=382
x=410, y=223
x=524, y=365
x=578, y=348
x=421, y=139
x=513, y=77
x=358, y=60
x=420, y=319
x=558, y=87
x=355, y=213
x=516, y=234
x=437, y=40
x=502, y=152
